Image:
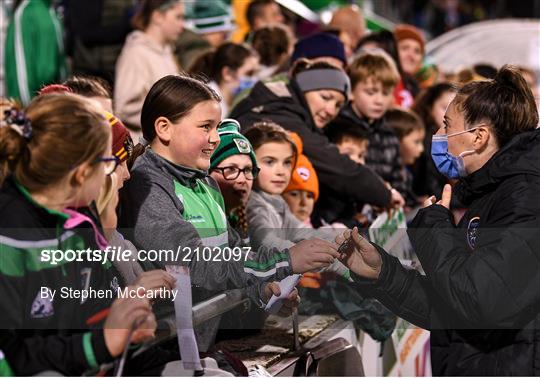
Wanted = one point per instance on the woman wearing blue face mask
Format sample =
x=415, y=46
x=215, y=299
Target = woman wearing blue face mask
x=451, y=165
x=480, y=297
x=231, y=68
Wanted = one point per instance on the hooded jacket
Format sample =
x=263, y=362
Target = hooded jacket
x=141, y=63
x=63, y=333
x=480, y=296
x=41, y=332
x=285, y=105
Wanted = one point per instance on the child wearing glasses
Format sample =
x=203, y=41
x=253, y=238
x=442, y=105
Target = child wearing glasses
x=234, y=167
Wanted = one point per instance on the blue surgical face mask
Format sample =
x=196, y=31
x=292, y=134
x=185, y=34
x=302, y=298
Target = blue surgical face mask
x=246, y=82
x=449, y=165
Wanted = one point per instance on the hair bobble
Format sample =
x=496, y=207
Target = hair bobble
x=18, y=121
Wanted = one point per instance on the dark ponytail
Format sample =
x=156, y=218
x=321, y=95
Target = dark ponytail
x=506, y=102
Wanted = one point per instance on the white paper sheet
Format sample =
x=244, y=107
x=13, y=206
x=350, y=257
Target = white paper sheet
x=184, y=318
x=287, y=286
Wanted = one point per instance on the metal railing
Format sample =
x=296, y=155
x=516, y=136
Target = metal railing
x=202, y=312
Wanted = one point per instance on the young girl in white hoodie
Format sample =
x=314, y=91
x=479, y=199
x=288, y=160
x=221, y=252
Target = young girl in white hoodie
x=146, y=57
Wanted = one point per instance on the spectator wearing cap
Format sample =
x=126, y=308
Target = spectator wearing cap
x=122, y=146
x=208, y=25
x=301, y=195
x=411, y=44
x=211, y=20
x=303, y=189
x=345, y=39
x=234, y=166
x=321, y=47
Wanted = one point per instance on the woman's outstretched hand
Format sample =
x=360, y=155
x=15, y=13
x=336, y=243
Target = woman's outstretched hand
x=361, y=257
x=445, y=198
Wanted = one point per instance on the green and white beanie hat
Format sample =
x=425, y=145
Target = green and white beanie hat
x=232, y=142
x=208, y=16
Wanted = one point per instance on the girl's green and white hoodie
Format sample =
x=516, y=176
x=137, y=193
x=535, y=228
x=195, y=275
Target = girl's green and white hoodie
x=169, y=207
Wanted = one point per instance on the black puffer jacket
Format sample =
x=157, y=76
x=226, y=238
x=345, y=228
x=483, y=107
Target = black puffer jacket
x=285, y=105
x=481, y=293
